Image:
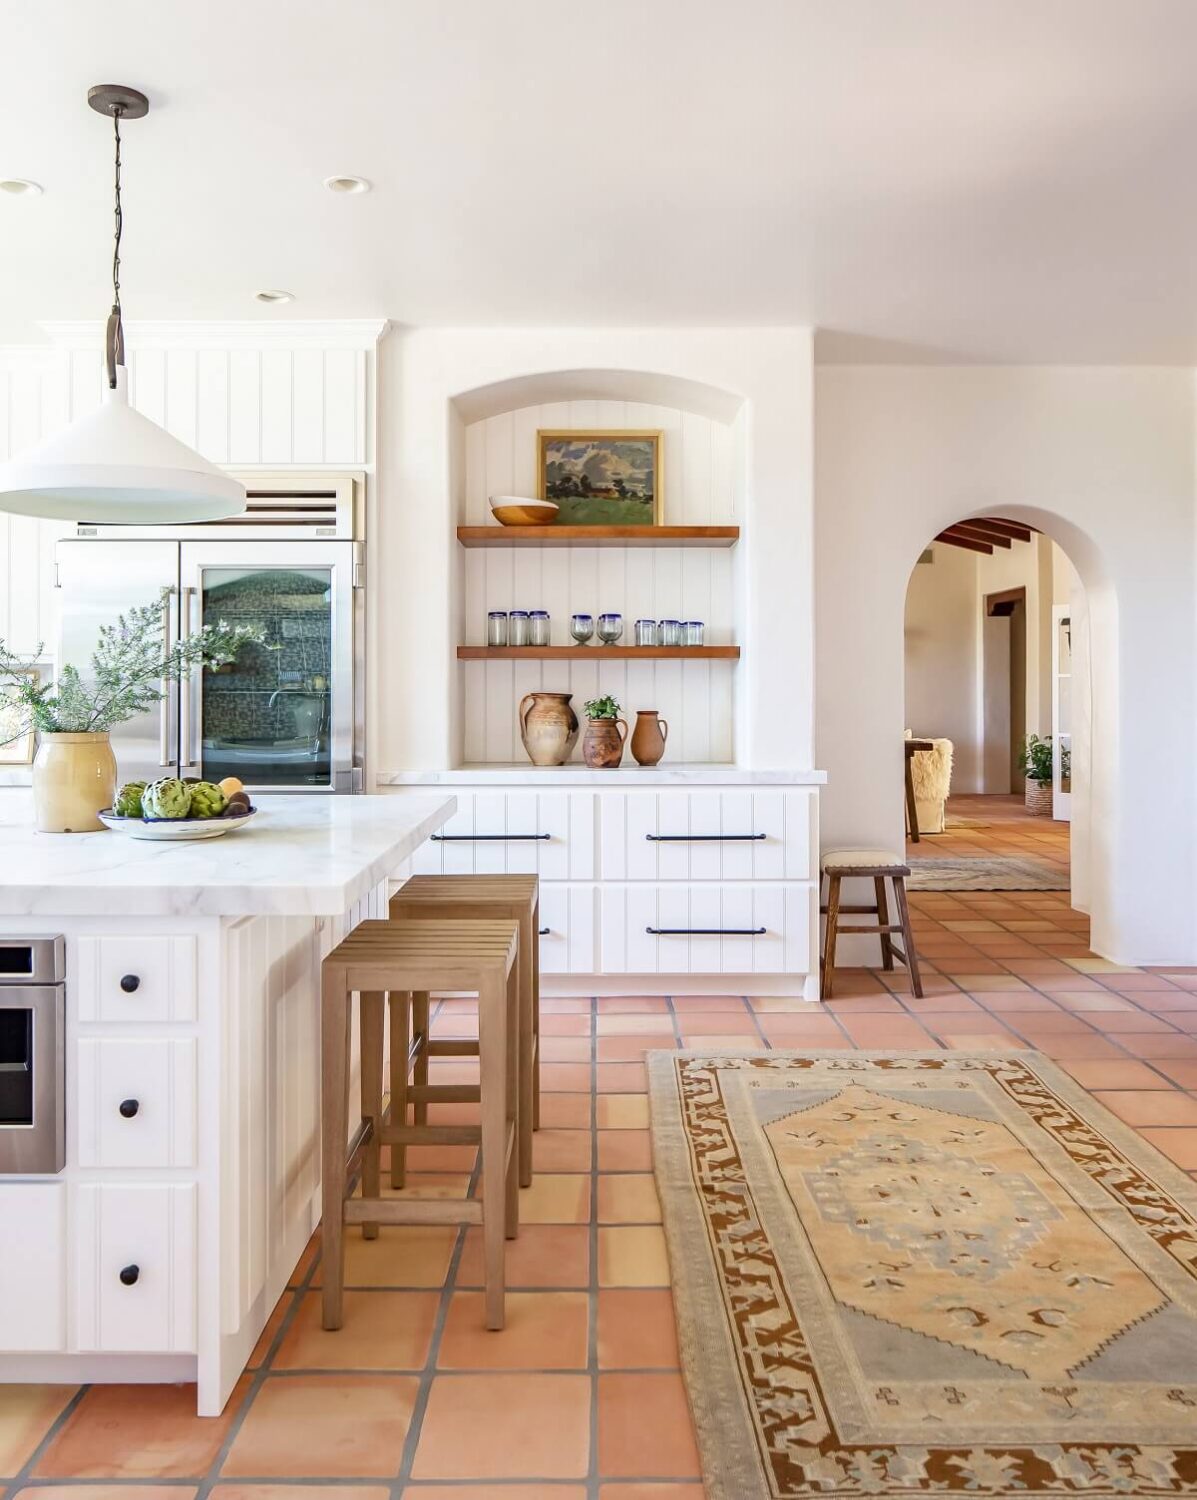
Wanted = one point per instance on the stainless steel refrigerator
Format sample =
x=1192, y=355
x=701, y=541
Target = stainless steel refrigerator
x=286, y=715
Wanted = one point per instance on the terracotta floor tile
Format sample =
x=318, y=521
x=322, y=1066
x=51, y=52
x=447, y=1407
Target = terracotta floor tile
x=562, y=1150
x=1064, y=1047
x=382, y=1331
x=1179, y=1145
x=573, y=1049
x=1116, y=1075
x=273, y=1323
x=138, y=1432
x=335, y=1426
x=27, y=1412
x=644, y=1428
x=496, y=1492
x=437, y=1158
x=545, y=1331
x=617, y=1025
x=621, y=1078
x=625, y=1151
x=564, y=1005
x=884, y=1032
x=1180, y=1071
x=1087, y=1000
x=544, y=1255
x=875, y=1003
x=122, y=1492
x=518, y=1426
x=794, y=1031
x=1151, y=1108
x=407, y=1255
x=632, y=1255
x=635, y=1005
x=628, y=1198
x=1152, y=1045
x=304, y=1264
x=565, y=1078
x=564, y=1111
x=636, y=1330
x=651, y=1492
x=556, y=1198
x=622, y=1112
x=564, y=1025
x=717, y=1023
x=632, y=1048
x=290, y=1492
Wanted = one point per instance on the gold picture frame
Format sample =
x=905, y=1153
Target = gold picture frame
x=17, y=744
x=601, y=476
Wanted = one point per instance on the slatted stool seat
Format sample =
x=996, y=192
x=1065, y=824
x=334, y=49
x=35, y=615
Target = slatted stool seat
x=516, y=897
x=378, y=959
x=880, y=865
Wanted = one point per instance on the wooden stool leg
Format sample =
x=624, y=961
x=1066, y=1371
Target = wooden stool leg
x=912, y=809
x=373, y=1005
x=400, y=1046
x=492, y=1048
x=523, y=976
x=421, y=1010
x=887, y=949
x=334, y=1136
x=912, y=958
x=517, y=1011
x=833, y=917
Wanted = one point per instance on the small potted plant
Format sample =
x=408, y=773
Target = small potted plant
x=602, y=744
x=1035, y=763
x=74, y=773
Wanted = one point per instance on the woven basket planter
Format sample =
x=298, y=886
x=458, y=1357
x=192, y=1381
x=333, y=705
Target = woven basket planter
x=1038, y=799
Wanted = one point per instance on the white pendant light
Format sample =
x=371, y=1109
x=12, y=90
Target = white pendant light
x=115, y=465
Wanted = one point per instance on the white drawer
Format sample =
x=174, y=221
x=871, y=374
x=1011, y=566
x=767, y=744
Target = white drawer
x=32, y=1266
x=707, y=835
x=706, y=928
x=550, y=834
x=135, y=1102
x=147, y=1236
x=134, y=978
x=567, y=929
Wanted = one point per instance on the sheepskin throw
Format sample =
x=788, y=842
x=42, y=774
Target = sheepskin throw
x=931, y=773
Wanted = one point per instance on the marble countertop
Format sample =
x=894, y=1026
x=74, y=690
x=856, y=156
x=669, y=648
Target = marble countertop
x=689, y=773
x=302, y=856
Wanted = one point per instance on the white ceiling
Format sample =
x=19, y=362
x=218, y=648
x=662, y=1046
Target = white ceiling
x=979, y=179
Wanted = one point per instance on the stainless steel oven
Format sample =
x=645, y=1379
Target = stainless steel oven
x=32, y=1055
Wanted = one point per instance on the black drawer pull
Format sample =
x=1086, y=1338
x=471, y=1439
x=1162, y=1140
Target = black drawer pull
x=703, y=838
x=544, y=931
x=129, y=1107
x=129, y=982
x=707, y=931
x=129, y=1275
x=479, y=838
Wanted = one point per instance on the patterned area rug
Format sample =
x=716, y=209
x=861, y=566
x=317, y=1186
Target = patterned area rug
x=905, y=1273
x=983, y=873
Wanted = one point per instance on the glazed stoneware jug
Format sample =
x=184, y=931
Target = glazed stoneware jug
x=649, y=736
x=74, y=776
x=602, y=744
x=548, y=727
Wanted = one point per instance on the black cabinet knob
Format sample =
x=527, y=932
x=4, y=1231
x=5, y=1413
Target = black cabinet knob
x=129, y=982
x=129, y=1275
x=129, y=1107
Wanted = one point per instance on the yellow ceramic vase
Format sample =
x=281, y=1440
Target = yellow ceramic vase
x=74, y=776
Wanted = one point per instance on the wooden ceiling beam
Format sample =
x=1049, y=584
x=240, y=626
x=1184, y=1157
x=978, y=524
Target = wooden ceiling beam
x=1011, y=529
x=953, y=538
x=980, y=534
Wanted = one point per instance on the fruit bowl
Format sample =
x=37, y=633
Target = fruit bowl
x=515, y=510
x=167, y=829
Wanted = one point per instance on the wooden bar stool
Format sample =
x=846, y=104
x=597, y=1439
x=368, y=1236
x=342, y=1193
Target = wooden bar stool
x=400, y=958
x=516, y=897
x=839, y=864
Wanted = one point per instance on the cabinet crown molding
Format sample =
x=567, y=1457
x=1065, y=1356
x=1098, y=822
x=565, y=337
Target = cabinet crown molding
x=242, y=333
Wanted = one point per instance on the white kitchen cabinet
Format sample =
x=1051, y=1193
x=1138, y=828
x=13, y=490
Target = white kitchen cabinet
x=747, y=834
x=135, y=978
x=550, y=834
x=699, y=928
x=136, y=1101
x=134, y=1267
x=32, y=1265
x=567, y=928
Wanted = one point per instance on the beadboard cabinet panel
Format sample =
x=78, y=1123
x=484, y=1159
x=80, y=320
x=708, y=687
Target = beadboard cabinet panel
x=550, y=834
x=707, y=835
x=679, y=928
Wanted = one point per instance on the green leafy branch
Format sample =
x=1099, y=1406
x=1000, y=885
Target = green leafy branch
x=602, y=708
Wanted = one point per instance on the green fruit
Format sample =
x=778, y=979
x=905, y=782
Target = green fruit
x=207, y=800
x=128, y=800
x=168, y=798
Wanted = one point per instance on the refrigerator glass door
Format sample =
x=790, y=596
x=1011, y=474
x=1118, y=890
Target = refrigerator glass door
x=97, y=583
x=280, y=717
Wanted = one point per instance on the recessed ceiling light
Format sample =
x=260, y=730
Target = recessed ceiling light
x=342, y=183
x=274, y=296
x=20, y=187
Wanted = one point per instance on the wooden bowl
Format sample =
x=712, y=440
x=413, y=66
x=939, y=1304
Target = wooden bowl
x=511, y=511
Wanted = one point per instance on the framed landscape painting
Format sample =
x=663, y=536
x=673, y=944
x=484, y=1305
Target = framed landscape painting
x=602, y=478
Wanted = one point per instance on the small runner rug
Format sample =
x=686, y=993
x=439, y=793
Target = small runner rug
x=983, y=873
x=898, y=1274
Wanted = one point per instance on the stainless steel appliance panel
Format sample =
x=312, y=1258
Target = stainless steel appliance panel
x=32, y=1056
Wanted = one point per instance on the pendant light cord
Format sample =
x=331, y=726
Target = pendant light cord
x=115, y=338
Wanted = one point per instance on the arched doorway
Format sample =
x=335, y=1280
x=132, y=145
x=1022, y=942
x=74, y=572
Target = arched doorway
x=997, y=720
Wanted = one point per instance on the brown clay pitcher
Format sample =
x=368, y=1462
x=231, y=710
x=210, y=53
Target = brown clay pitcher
x=602, y=744
x=548, y=727
x=649, y=736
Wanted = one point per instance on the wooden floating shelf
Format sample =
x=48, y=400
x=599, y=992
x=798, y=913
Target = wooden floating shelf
x=598, y=653
x=598, y=536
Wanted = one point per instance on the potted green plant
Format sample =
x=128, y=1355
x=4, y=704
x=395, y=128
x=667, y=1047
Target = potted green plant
x=74, y=772
x=602, y=744
x=1035, y=761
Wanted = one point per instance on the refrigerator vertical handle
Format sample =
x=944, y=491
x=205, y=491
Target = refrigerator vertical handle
x=165, y=758
x=186, y=759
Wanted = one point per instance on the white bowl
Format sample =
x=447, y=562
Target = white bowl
x=167, y=829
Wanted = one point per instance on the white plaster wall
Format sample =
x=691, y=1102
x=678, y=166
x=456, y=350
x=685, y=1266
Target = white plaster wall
x=1102, y=459
x=429, y=380
x=941, y=658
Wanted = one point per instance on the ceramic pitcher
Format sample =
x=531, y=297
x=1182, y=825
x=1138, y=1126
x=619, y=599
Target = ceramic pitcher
x=74, y=776
x=548, y=727
x=602, y=744
x=649, y=736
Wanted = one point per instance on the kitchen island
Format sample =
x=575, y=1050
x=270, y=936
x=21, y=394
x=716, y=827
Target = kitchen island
x=189, y=1067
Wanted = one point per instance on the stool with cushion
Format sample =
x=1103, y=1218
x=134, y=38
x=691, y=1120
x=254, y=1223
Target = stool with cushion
x=879, y=865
